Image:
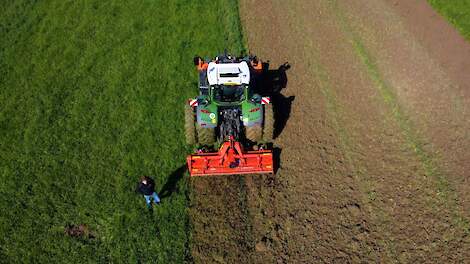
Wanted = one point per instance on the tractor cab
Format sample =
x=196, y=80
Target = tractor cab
x=228, y=81
x=228, y=93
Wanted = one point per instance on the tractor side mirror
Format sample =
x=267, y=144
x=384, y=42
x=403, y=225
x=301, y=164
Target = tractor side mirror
x=256, y=99
x=202, y=101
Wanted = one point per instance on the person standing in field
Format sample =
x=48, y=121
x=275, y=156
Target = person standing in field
x=146, y=187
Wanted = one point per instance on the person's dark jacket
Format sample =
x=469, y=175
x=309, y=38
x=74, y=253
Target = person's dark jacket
x=146, y=189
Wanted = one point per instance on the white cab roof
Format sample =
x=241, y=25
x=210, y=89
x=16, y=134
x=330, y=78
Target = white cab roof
x=228, y=73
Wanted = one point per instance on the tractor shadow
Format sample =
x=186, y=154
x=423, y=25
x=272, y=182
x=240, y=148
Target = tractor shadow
x=270, y=83
x=277, y=159
x=171, y=184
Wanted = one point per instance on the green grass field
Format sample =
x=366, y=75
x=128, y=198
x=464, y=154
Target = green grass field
x=457, y=12
x=91, y=98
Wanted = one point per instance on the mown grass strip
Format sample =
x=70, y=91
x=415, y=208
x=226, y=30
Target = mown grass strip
x=91, y=96
x=457, y=12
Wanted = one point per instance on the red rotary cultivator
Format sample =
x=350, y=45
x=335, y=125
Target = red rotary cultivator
x=231, y=159
x=227, y=113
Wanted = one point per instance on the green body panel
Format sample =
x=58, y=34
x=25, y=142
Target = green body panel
x=207, y=115
x=252, y=113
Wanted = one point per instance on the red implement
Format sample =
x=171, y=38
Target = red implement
x=231, y=159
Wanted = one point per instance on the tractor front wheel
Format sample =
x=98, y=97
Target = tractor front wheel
x=254, y=133
x=189, y=129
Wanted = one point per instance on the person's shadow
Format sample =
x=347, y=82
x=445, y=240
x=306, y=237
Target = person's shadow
x=170, y=186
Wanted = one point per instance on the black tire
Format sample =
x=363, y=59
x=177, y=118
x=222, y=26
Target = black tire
x=205, y=136
x=189, y=128
x=268, y=129
x=254, y=133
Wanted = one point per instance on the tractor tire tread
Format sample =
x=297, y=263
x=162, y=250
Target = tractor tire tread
x=206, y=136
x=254, y=133
x=268, y=128
x=189, y=128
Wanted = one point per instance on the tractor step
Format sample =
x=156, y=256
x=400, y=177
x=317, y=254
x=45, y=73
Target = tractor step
x=231, y=159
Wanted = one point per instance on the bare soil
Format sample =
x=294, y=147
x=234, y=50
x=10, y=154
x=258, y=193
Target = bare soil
x=373, y=141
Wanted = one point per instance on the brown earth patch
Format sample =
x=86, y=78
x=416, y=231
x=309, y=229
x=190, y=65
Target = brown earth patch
x=427, y=64
x=359, y=177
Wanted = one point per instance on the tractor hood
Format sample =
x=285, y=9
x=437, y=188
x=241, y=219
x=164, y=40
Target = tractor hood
x=228, y=73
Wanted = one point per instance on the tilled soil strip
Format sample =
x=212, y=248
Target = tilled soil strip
x=319, y=215
x=370, y=165
x=221, y=224
x=434, y=90
x=357, y=181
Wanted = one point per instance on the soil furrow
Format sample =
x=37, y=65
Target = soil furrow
x=220, y=219
x=321, y=210
x=370, y=147
x=432, y=88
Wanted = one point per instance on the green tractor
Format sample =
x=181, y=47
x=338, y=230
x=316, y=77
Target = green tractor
x=227, y=107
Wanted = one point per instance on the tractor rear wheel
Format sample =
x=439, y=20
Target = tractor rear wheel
x=189, y=129
x=205, y=136
x=268, y=129
x=254, y=133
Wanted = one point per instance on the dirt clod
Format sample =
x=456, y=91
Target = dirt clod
x=79, y=231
